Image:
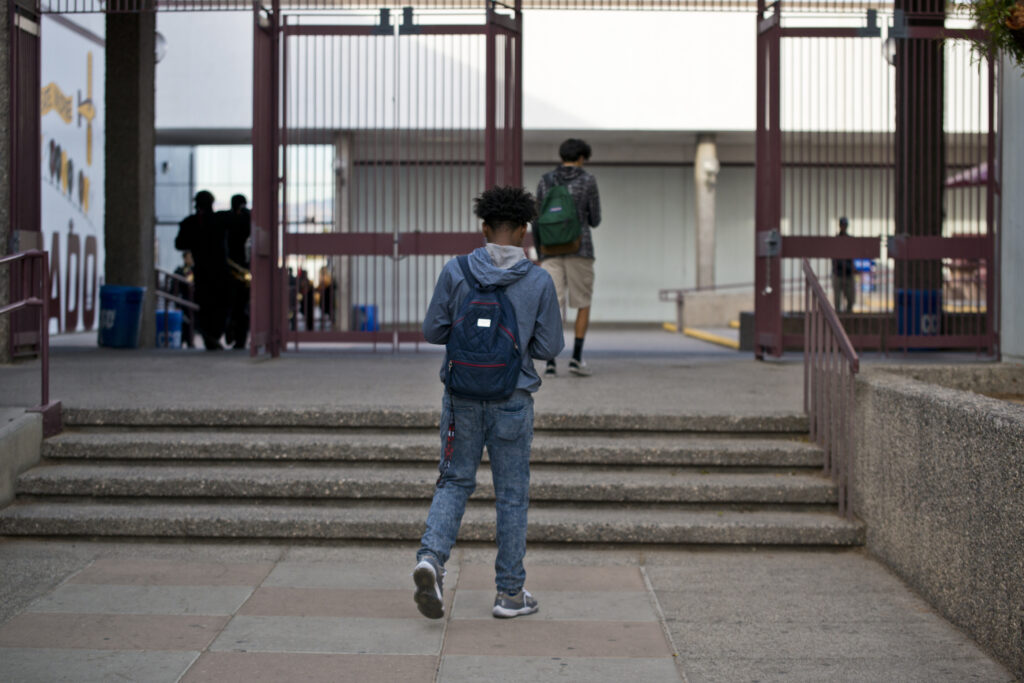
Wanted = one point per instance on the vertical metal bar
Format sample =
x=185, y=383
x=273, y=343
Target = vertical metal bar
x=44, y=328
x=490, y=134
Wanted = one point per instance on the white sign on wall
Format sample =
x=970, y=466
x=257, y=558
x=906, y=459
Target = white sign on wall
x=71, y=104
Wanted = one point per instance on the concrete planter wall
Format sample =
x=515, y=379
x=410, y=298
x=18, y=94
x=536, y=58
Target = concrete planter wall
x=938, y=478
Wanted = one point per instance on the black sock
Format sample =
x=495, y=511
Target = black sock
x=577, y=349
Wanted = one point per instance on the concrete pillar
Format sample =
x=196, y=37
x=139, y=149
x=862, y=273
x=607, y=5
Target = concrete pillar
x=130, y=166
x=5, y=178
x=920, y=141
x=1011, y=331
x=705, y=176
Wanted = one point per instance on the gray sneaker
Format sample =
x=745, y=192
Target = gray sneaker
x=508, y=606
x=429, y=579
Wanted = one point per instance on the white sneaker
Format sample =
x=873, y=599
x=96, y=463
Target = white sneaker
x=579, y=368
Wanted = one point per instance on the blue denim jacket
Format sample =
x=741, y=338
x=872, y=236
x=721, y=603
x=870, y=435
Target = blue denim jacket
x=528, y=288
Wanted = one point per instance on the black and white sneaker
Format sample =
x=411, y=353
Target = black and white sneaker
x=507, y=606
x=550, y=370
x=429, y=579
x=579, y=368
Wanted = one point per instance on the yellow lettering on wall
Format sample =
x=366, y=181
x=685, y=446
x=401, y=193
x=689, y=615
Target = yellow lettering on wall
x=52, y=99
x=85, y=193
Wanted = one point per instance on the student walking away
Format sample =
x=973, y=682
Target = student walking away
x=843, y=281
x=237, y=224
x=203, y=234
x=495, y=312
x=569, y=207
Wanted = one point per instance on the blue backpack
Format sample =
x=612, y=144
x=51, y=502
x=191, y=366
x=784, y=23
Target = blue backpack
x=484, y=354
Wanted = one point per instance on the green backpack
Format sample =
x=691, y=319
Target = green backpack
x=558, y=224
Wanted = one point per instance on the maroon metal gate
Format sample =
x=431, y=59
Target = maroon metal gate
x=388, y=126
x=886, y=118
x=25, y=164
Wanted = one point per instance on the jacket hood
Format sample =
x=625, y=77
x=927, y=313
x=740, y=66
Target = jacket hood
x=490, y=275
x=568, y=173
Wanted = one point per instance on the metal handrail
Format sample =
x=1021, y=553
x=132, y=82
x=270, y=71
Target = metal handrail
x=189, y=308
x=830, y=364
x=36, y=283
x=678, y=295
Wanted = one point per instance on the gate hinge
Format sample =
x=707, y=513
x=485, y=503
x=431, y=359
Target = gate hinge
x=384, y=28
x=408, y=26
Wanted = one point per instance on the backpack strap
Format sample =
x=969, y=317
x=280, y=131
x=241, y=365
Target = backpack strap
x=467, y=273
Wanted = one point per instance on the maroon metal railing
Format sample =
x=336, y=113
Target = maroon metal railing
x=32, y=269
x=830, y=364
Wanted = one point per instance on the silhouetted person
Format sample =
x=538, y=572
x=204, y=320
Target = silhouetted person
x=203, y=234
x=238, y=227
x=843, y=282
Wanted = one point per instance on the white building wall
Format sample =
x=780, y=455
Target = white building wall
x=1012, y=239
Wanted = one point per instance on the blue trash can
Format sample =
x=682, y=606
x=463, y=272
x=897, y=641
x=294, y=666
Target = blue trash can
x=918, y=311
x=172, y=337
x=364, y=318
x=120, y=316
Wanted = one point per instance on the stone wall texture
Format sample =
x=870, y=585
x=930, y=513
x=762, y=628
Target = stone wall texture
x=938, y=478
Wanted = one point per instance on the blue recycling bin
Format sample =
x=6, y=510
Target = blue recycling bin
x=171, y=338
x=364, y=318
x=120, y=316
x=918, y=311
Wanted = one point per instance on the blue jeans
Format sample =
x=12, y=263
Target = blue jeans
x=506, y=428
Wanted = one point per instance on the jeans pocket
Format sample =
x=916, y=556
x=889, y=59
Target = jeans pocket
x=512, y=422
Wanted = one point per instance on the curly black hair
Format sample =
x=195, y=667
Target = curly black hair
x=574, y=148
x=505, y=208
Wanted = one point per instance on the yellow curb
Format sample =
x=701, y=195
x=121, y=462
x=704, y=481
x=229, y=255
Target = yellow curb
x=712, y=338
x=669, y=327
x=734, y=324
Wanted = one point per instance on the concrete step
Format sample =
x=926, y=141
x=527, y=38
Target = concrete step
x=548, y=483
x=384, y=418
x=423, y=445
x=405, y=522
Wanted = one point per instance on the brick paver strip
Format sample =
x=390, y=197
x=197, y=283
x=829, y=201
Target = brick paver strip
x=260, y=667
x=331, y=602
x=535, y=638
x=111, y=631
x=464, y=668
x=564, y=606
x=112, y=599
x=332, y=635
x=558, y=578
x=173, y=573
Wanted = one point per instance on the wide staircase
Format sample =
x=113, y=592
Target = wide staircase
x=369, y=475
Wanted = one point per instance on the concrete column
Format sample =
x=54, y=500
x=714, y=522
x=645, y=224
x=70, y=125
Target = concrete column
x=130, y=166
x=5, y=178
x=1011, y=331
x=705, y=176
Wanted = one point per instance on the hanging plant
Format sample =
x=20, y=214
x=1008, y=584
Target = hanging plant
x=1003, y=20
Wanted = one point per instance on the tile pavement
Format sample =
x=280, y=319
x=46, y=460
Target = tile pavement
x=152, y=612
x=352, y=619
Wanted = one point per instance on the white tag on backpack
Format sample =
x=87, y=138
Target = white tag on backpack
x=483, y=322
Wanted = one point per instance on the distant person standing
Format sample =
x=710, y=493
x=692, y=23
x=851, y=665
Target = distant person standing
x=843, y=281
x=237, y=224
x=203, y=234
x=570, y=263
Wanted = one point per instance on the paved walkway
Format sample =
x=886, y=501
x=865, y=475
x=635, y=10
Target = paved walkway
x=100, y=611
x=97, y=611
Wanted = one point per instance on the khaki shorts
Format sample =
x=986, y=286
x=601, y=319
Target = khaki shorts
x=573, y=273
